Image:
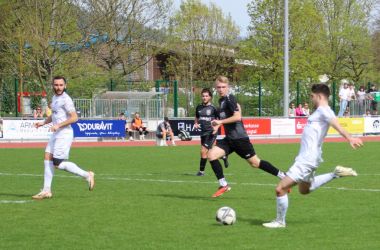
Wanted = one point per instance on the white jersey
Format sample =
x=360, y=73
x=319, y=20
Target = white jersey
x=62, y=106
x=313, y=135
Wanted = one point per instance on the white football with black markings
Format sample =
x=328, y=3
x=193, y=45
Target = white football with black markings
x=226, y=216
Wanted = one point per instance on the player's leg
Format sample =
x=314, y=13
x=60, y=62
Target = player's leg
x=244, y=149
x=338, y=172
x=213, y=155
x=48, y=172
x=282, y=203
x=61, y=153
x=172, y=138
x=203, y=160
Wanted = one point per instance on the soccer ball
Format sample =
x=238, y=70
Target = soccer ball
x=226, y=216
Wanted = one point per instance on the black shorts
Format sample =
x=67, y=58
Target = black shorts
x=243, y=147
x=207, y=141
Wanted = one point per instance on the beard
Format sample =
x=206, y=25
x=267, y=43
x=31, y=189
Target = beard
x=58, y=92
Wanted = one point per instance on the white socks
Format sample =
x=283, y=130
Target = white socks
x=281, y=174
x=320, y=180
x=222, y=182
x=282, y=207
x=48, y=175
x=73, y=168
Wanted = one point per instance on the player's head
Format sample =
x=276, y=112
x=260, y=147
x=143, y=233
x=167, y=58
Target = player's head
x=137, y=115
x=59, y=85
x=166, y=119
x=222, y=85
x=206, y=95
x=319, y=92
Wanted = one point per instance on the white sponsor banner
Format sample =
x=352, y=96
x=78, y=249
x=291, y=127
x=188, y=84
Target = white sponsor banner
x=283, y=126
x=371, y=125
x=24, y=129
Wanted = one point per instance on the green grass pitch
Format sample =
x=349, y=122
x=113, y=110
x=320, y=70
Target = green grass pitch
x=150, y=198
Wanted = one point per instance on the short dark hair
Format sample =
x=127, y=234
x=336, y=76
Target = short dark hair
x=59, y=78
x=166, y=119
x=207, y=90
x=320, y=88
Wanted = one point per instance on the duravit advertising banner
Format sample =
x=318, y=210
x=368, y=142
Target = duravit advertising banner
x=99, y=128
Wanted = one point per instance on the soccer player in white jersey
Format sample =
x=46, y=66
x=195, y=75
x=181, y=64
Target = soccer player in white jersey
x=310, y=155
x=58, y=148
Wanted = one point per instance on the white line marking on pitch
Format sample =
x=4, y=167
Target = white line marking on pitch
x=192, y=182
x=17, y=202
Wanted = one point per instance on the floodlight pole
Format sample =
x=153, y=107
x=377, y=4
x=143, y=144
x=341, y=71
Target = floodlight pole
x=286, y=58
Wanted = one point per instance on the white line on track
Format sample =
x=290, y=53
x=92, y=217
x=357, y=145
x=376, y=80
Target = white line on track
x=118, y=178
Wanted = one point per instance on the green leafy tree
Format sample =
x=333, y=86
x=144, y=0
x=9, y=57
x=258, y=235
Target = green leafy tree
x=202, y=42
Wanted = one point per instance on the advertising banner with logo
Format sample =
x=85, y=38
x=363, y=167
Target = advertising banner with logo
x=184, y=124
x=283, y=126
x=99, y=128
x=300, y=124
x=372, y=125
x=24, y=129
x=352, y=125
x=257, y=126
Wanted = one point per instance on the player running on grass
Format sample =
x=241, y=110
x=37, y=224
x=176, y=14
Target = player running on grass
x=310, y=155
x=236, y=139
x=204, y=114
x=58, y=147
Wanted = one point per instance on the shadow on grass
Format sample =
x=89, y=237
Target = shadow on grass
x=252, y=221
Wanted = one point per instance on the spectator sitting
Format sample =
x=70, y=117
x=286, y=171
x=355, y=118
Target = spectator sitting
x=37, y=113
x=305, y=109
x=127, y=129
x=361, y=96
x=137, y=125
x=367, y=113
x=299, y=110
x=292, y=110
x=164, y=131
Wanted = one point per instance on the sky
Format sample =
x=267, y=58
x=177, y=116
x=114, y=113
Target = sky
x=236, y=8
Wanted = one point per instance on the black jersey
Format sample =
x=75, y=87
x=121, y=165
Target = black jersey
x=228, y=106
x=205, y=114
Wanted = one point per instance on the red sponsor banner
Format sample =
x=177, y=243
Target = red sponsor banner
x=254, y=126
x=300, y=124
x=257, y=126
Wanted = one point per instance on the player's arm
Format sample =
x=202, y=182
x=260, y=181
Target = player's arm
x=46, y=121
x=234, y=118
x=73, y=117
x=196, y=123
x=354, y=141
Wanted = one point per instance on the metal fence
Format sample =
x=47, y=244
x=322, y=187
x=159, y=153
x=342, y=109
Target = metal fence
x=360, y=108
x=106, y=108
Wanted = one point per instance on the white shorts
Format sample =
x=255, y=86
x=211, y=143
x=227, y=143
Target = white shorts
x=59, y=145
x=301, y=172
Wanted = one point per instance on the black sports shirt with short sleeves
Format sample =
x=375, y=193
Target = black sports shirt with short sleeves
x=205, y=114
x=228, y=106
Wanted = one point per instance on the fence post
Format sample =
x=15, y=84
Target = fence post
x=16, y=103
x=260, y=100
x=111, y=87
x=333, y=95
x=175, y=98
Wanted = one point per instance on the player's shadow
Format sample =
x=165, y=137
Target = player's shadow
x=15, y=195
x=251, y=221
x=177, y=196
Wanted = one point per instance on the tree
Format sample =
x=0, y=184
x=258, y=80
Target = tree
x=131, y=30
x=38, y=33
x=202, y=42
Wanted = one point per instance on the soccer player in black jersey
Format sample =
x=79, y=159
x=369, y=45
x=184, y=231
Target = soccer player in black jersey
x=204, y=114
x=236, y=139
